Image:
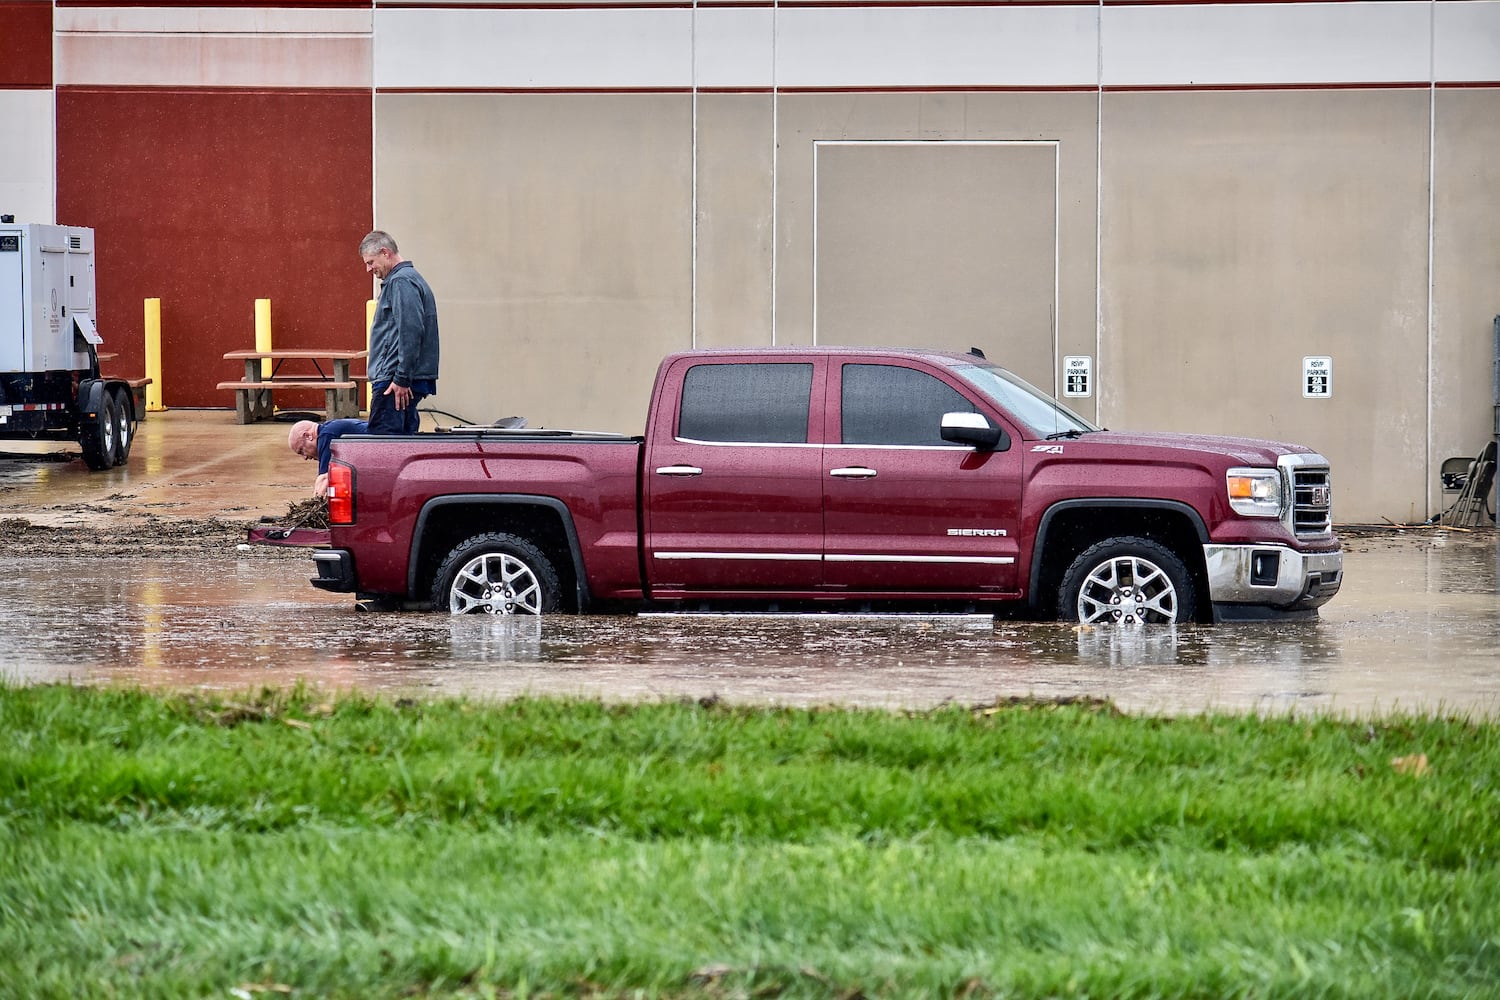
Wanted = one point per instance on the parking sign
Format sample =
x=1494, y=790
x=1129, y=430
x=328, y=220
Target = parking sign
x=1317, y=378
x=1076, y=376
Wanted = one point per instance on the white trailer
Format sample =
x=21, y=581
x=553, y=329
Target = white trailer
x=50, y=386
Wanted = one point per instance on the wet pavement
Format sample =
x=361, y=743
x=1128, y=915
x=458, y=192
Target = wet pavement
x=1415, y=628
x=183, y=464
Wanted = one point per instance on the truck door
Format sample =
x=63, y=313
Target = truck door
x=904, y=510
x=732, y=481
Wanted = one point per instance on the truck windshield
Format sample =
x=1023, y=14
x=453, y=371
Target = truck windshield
x=1024, y=401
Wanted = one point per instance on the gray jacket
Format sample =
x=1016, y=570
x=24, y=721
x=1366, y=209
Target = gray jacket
x=404, y=335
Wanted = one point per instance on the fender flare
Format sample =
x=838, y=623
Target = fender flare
x=1039, y=544
x=91, y=392
x=436, y=504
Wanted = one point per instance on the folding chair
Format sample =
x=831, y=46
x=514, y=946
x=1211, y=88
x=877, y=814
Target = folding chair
x=1472, y=505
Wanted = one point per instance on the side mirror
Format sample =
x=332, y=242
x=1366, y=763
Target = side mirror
x=973, y=429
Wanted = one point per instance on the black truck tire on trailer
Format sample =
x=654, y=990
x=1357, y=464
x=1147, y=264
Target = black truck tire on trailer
x=125, y=418
x=97, y=436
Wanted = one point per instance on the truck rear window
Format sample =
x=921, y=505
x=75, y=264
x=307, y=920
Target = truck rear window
x=757, y=403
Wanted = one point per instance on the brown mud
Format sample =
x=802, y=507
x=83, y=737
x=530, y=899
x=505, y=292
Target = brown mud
x=195, y=483
x=125, y=524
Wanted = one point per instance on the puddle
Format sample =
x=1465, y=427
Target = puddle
x=1416, y=627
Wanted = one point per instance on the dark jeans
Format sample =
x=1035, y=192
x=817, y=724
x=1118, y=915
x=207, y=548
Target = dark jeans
x=386, y=419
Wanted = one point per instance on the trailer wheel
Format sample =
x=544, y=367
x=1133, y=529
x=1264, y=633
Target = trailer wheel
x=498, y=574
x=99, y=438
x=124, y=426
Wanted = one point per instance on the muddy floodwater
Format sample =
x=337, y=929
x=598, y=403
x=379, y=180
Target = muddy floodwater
x=1416, y=628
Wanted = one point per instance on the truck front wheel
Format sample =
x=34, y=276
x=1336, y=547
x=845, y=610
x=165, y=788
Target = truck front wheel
x=1127, y=581
x=496, y=574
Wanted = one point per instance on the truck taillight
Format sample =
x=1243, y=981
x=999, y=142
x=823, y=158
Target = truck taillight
x=340, y=493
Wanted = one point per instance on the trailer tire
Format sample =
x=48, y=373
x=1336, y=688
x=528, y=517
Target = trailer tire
x=124, y=425
x=98, y=437
x=496, y=573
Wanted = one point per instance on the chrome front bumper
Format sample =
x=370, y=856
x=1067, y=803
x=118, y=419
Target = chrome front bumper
x=1270, y=580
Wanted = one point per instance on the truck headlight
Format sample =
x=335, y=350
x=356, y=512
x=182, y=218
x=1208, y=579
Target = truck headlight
x=1255, y=492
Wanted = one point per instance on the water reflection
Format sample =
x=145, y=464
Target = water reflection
x=1416, y=627
x=1275, y=644
x=484, y=639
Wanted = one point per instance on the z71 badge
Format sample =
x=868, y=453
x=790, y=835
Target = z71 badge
x=1050, y=449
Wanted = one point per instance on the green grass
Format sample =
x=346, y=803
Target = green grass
x=290, y=843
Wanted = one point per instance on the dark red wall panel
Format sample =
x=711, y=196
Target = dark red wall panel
x=208, y=201
x=214, y=3
x=25, y=43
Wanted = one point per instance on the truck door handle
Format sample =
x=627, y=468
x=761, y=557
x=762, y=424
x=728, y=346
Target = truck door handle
x=679, y=470
x=853, y=472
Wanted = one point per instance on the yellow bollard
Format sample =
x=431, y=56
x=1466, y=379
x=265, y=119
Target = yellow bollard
x=369, y=325
x=153, y=356
x=263, y=334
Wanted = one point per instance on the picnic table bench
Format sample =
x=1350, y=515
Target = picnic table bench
x=137, y=385
x=253, y=394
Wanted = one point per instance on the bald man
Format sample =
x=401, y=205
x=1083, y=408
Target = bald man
x=313, y=440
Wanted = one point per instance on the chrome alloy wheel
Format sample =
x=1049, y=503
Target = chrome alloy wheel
x=495, y=583
x=1127, y=590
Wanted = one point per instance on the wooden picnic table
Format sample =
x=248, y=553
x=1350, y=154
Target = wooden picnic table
x=137, y=385
x=252, y=395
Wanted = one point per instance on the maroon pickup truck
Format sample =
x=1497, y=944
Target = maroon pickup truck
x=863, y=478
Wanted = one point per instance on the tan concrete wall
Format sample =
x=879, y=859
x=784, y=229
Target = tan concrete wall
x=735, y=220
x=1040, y=200
x=561, y=247
x=555, y=231
x=1466, y=273
x=942, y=244
x=1242, y=232
x=1238, y=233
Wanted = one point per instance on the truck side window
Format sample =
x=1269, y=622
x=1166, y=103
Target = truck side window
x=760, y=403
x=886, y=404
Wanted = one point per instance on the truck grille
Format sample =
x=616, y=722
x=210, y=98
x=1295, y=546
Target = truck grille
x=1312, y=500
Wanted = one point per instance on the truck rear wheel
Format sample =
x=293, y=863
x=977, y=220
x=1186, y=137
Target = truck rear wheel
x=100, y=441
x=1127, y=581
x=497, y=574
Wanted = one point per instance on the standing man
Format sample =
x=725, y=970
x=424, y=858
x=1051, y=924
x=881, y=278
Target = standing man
x=403, y=363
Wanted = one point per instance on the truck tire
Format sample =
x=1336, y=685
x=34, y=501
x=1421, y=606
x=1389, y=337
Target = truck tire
x=498, y=574
x=1127, y=581
x=98, y=436
x=124, y=425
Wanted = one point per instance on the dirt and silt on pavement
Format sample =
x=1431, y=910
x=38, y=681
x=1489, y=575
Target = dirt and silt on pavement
x=194, y=482
x=139, y=576
x=119, y=524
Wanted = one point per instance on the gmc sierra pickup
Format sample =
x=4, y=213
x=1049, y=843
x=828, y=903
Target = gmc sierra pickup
x=817, y=477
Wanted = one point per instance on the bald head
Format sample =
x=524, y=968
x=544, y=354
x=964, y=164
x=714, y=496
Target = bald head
x=303, y=438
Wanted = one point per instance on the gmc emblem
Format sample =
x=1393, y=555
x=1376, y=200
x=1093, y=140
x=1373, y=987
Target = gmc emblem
x=1319, y=496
